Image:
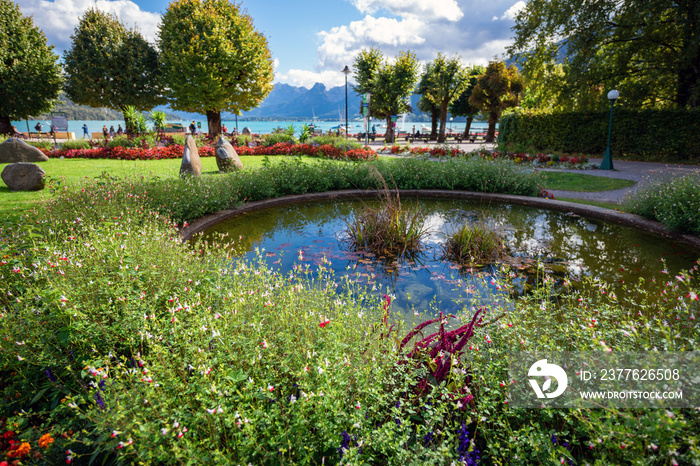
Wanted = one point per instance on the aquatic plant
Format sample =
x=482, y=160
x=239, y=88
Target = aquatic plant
x=474, y=244
x=387, y=230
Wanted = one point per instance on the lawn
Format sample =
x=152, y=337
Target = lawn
x=580, y=182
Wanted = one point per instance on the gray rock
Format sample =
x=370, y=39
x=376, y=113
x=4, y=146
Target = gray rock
x=23, y=176
x=15, y=150
x=246, y=130
x=191, y=163
x=226, y=156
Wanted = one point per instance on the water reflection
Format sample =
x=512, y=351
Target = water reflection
x=568, y=245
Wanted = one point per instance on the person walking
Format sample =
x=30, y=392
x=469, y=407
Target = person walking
x=193, y=129
x=120, y=131
x=105, y=132
x=85, y=131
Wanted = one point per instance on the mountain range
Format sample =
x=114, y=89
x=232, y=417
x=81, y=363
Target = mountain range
x=284, y=102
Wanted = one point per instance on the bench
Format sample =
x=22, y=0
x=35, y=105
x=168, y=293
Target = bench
x=362, y=136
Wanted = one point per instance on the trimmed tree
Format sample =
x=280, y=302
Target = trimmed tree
x=391, y=84
x=444, y=81
x=110, y=66
x=29, y=70
x=497, y=89
x=213, y=59
x=461, y=105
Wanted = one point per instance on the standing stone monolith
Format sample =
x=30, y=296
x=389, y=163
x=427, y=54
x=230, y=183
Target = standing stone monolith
x=191, y=163
x=15, y=150
x=226, y=156
x=23, y=176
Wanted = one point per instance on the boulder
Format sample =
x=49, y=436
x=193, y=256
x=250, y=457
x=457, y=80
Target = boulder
x=23, y=176
x=15, y=150
x=226, y=156
x=191, y=163
x=246, y=130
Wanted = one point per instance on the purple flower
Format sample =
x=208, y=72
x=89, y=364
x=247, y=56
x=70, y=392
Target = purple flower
x=467, y=457
x=344, y=444
x=50, y=375
x=99, y=401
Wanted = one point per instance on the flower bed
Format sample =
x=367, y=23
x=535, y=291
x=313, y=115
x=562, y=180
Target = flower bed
x=571, y=160
x=174, y=151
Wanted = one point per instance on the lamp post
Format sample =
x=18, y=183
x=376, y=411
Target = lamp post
x=346, y=71
x=607, y=163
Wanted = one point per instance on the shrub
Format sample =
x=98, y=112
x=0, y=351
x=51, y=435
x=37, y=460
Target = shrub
x=76, y=144
x=277, y=138
x=661, y=135
x=675, y=203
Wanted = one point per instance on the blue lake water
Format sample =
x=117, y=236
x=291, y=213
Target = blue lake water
x=259, y=127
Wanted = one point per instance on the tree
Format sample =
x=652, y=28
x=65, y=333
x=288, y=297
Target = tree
x=425, y=105
x=497, y=89
x=648, y=49
x=30, y=76
x=444, y=81
x=461, y=106
x=110, y=66
x=391, y=84
x=213, y=59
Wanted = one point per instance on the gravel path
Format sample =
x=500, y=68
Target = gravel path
x=644, y=173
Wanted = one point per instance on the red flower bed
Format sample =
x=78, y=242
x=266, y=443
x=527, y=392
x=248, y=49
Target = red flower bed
x=175, y=151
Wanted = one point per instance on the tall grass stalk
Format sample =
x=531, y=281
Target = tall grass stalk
x=474, y=245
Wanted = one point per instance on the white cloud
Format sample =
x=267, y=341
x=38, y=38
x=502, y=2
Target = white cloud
x=341, y=44
x=425, y=9
x=59, y=18
x=511, y=12
x=307, y=79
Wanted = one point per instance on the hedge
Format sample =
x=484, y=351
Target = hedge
x=657, y=135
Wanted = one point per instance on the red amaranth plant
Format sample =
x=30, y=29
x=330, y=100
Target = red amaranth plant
x=441, y=352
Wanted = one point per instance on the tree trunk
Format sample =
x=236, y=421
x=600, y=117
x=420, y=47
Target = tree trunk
x=214, y=123
x=389, y=134
x=434, y=115
x=6, y=125
x=467, y=128
x=443, y=121
x=491, y=133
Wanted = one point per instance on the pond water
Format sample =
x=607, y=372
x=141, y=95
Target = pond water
x=569, y=246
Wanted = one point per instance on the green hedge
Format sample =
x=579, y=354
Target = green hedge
x=660, y=135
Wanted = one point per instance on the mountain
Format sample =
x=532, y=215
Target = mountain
x=284, y=102
x=75, y=112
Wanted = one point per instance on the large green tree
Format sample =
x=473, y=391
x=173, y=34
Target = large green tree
x=391, y=83
x=648, y=49
x=443, y=81
x=461, y=106
x=214, y=59
x=110, y=66
x=30, y=76
x=497, y=89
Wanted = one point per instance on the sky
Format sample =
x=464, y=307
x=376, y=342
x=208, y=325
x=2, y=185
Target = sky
x=313, y=40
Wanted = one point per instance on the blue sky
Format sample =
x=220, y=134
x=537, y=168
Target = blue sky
x=311, y=41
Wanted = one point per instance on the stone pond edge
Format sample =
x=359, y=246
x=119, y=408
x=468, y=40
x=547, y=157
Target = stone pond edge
x=614, y=216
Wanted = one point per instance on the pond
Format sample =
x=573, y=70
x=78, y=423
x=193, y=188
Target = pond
x=568, y=246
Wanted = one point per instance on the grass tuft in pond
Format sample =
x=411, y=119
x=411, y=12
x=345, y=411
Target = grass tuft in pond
x=391, y=229
x=474, y=244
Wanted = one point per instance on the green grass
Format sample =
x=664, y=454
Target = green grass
x=580, y=182
x=70, y=171
x=605, y=205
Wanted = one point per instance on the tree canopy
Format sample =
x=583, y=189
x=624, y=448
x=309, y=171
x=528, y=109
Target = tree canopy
x=444, y=80
x=648, y=49
x=461, y=106
x=497, y=89
x=30, y=76
x=110, y=66
x=391, y=83
x=213, y=59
